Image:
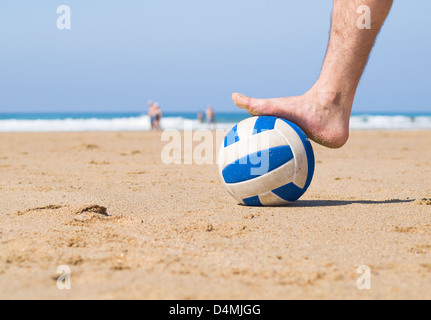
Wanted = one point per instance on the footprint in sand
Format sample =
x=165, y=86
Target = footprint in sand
x=420, y=229
x=82, y=216
x=75, y=211
x=50, y=207
x=89, y=215
x=87, y=146
x=423, y=202
x=91, y=146
x=100, y=163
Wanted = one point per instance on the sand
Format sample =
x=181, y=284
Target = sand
x=129, y=226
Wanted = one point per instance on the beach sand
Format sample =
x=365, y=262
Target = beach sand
x=129, y=226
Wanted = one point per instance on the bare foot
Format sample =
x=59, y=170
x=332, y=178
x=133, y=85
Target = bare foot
x=324, y=115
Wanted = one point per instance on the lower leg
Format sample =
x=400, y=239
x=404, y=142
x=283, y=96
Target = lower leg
x=324, y=111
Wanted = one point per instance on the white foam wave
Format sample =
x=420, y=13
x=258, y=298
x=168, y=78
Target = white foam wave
x=142, y=123
x=367, y=122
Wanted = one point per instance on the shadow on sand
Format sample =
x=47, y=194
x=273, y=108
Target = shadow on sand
x=335, y=203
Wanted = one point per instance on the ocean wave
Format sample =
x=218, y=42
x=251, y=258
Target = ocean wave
x=376, y=122
x=142, y=123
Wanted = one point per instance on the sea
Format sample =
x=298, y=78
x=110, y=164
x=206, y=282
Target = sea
x=134, y=121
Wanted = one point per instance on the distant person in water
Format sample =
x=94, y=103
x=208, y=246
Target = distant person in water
x=157, y=114
x=151, y=113
x=201, y=117
x=211, y=117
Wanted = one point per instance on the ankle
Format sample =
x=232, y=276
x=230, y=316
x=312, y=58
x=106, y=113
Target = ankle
x=334, y=107
x=330, y=94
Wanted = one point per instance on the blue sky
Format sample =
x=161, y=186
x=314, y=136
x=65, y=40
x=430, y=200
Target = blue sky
x=187, y=54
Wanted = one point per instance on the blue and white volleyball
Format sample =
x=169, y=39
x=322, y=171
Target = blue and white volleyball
x=266, y=161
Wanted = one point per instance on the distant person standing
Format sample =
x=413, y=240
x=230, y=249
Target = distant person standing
x=151, y=113
x=157, y=114
x=211, y=117
x=201, y=117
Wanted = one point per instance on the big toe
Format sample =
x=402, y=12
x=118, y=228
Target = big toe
x=241, y=100
x=253, y=106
